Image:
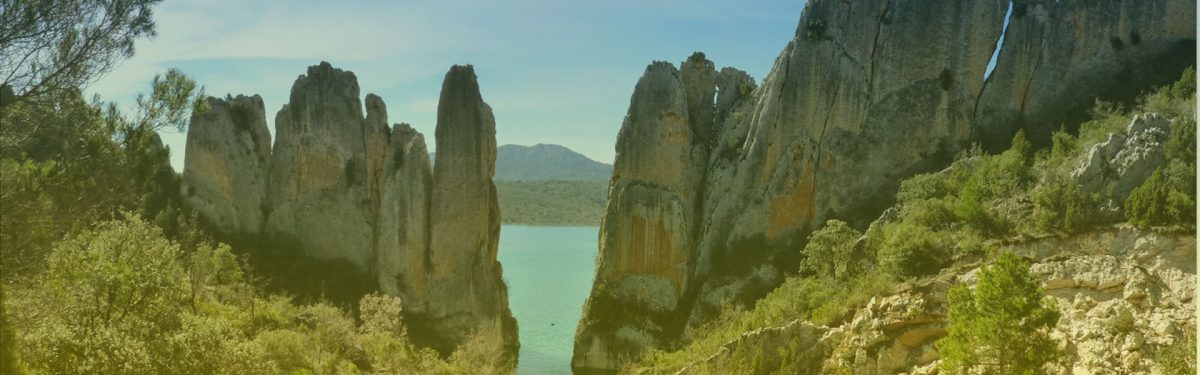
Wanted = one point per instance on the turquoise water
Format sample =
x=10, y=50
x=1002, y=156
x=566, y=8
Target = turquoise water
x=549, y=272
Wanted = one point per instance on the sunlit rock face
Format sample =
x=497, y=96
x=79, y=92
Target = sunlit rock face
x=320, y=193
x=1060, y=56
x=339, y=186
x=228, y=150
x=649, y=225
x=866, y=94
x=465, y=219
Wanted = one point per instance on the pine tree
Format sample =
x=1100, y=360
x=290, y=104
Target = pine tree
x=1002, y=326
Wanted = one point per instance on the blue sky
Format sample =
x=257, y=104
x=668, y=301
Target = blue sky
x=553, y=71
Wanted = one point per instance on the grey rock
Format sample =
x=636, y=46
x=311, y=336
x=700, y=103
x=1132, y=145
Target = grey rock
x=465, y=219
x=1060, y=56
x=319, y=193
x=403, y=229
x=225, y=164
x=733, y=86
x=339, y=186
x=699, y=77
x=648, y=232
x=1123, y=162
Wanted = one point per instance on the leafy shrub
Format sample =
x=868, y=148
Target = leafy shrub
x=830, y=251
x=1121, y=323
x=926, y=186
x=933, y=213
x=381, y=313
x=911, y=250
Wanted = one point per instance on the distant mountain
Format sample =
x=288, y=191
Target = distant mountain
x=547, y=162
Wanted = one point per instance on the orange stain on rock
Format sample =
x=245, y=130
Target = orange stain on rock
x=649, y=249
x=795, y=206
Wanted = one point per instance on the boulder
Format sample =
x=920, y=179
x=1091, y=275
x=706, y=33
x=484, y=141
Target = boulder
x=1123, y=162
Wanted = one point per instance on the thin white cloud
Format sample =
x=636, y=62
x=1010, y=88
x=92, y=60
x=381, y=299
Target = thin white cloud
x=562, y=70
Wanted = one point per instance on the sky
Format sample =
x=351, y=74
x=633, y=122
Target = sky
x=553, y=71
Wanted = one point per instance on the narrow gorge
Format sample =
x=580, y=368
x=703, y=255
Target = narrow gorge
x=718, y=181
x=343, y=188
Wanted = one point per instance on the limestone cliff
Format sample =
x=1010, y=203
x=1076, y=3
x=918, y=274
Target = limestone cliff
x=649, y=222
x=865, y=94
x=465, y=219
x=339, y=186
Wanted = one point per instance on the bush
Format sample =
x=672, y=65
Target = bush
x=1002, y=326
x=1060, y=205
x=1161, y=201
x=830, y=251
x=911, y=250
x=1179, y=358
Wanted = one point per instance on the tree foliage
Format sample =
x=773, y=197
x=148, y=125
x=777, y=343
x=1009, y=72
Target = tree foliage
x=66, y=163
x=48, y=47
x=1001, y=326
x=830, y=251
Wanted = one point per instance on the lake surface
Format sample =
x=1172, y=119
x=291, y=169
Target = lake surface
x=549, y=272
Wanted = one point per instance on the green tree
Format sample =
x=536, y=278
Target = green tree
x=830, y=250
x=66, y=163
x=909, y=250
x=107, y=297
x=51, y=46
x=10, y=361
x=1002, y=326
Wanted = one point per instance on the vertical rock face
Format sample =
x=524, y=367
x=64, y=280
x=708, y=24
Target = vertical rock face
x=225, y=166
x=465, y=219
x=339, y=186
x=867, y=93
x=1060, y=56
x=649, y=225
x=319, y=194
x=403, y=245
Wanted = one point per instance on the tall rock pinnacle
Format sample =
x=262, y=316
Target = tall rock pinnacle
x=465, y=218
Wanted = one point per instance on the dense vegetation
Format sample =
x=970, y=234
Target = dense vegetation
x=965, y=213
x=123, y=298
x=551, y=202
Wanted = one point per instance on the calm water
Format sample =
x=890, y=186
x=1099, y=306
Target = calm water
x=549, y=272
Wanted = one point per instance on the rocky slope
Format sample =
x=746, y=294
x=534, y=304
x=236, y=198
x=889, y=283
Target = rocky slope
x=710, y=198
x=1124, y=295
x=339, y=186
